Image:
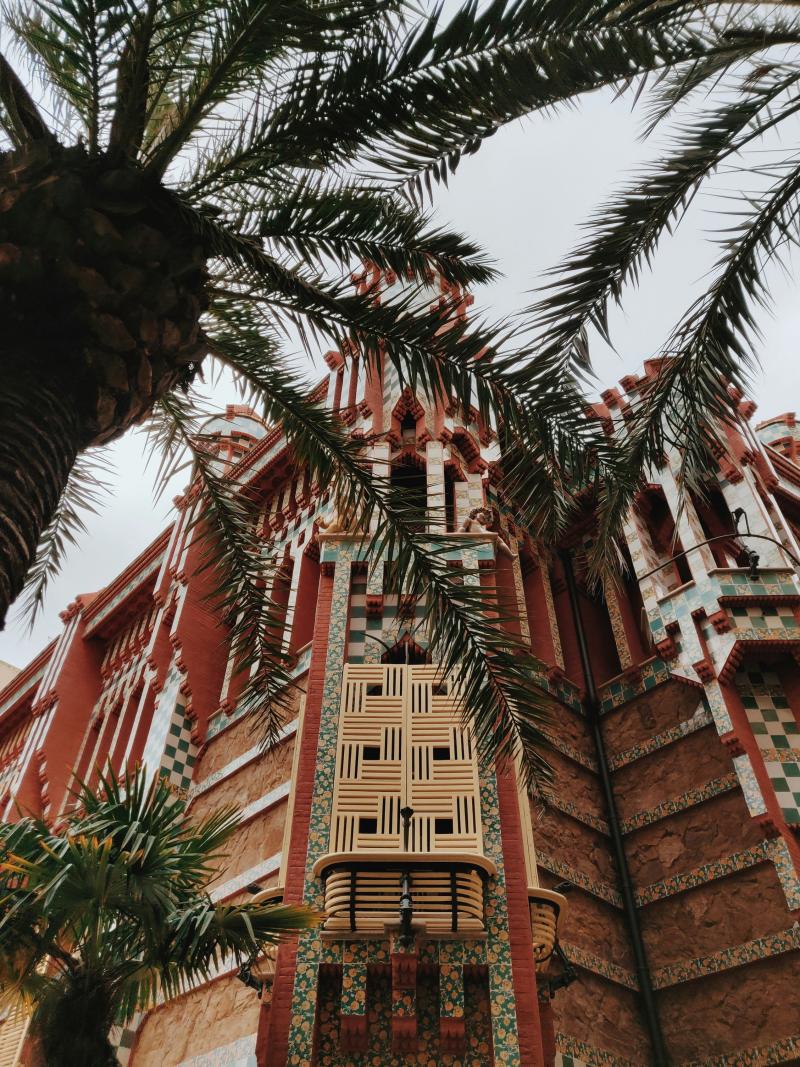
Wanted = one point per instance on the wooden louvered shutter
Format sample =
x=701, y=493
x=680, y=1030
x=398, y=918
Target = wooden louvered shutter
x=402, y=743
x=12, y=1034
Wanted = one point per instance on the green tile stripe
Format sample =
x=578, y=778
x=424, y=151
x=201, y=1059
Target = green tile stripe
x=786, y=1050
x=568, y=1046
x=707, y=872
x=680, y=803
x=597, y=965
x=726, y=959
x=699, y=721
x=598, y=888
x=568, y=808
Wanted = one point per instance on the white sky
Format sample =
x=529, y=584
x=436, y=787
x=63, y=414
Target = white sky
x=521, y=197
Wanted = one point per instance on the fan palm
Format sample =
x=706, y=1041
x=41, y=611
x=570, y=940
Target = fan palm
x=198, y=176
x=722, y=111
x=101, y=918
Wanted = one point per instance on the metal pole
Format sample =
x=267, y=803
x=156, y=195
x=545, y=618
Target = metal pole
x=592, y=707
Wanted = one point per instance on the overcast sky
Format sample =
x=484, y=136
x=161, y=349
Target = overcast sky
x=522, y=197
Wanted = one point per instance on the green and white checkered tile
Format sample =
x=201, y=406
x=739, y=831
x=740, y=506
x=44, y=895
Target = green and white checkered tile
x=180, y=751
x=771, y=718
x=763, y=617
x=776, y=730
x=785, y=779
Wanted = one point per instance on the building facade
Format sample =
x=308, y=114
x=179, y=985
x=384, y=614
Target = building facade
x=664, y=854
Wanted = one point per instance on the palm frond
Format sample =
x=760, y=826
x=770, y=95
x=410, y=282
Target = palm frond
x=410, y=111
x=465, y=623
x=710, y=357
x=82, y=495
x=241, y=571
x=77, y=43
x=624, y=233
x=21, y=118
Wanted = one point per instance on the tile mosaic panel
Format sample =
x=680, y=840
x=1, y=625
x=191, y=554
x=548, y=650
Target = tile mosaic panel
x=169, y=748
x=354, y=989
x=451, y=979
x=477, y=1018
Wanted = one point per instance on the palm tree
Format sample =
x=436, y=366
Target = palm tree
x=721, y=112
x=101, y=917
x=185, y=180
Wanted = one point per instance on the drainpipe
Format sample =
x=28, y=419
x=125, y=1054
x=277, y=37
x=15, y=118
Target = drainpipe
x=591, y=706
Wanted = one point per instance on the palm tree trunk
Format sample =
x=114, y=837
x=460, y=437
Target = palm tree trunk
x=39, y=440
x=73, y=1024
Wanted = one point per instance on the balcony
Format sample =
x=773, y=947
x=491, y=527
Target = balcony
x=440, y=895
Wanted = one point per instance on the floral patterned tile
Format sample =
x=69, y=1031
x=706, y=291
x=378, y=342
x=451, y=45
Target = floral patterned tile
x=759, y=949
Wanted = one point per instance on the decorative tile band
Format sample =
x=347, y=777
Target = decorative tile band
x=605, y=968
x=573, y=1053
x=615, y=693
x=596, y=887
x=780, y=755
x=727, y=958
x=785, y=1050
x=573, y=753
x=568, y=808
x=707, y=872
x=701, y=718
x=680, y=803
x=786, y=871
x=237, y=764
x=248, y=877
x=750, y=787
x=240, y=1053
x=269, y=800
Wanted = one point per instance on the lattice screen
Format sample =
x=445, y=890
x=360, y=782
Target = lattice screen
x=402, y=743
